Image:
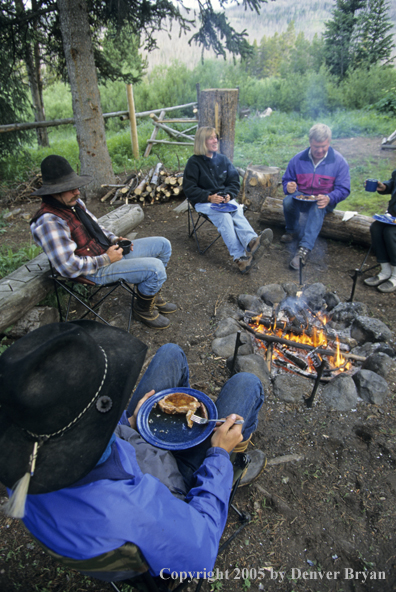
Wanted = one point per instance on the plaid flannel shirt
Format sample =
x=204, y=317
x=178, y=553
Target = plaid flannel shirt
x=53, y=235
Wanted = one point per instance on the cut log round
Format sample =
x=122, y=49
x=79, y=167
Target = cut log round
x=218, y=109
x=28, y=285
x=356, y=229
x=259, y=182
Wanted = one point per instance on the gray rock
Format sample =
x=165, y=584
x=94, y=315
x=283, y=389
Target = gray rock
x=228, y=311
x=368, y=329
x=251, y=303
x=379, y=363
x=371, y=387
x=290, y=288
x=346, y=312
x=340, y=393
x=332, y=300
x=255, y=364
x=36, y=317
x=366, y=349
x=225, y=346
x=313, y=294
x=292, y=388
x=271, y=294
x=226, y=327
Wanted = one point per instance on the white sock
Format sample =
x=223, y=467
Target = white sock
x=392, y=278
x=386, y=271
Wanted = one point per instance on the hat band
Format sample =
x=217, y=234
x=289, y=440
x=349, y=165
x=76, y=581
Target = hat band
x=75, y=420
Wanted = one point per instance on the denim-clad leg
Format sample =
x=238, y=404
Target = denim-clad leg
x=144, y=266
x=242, y=394
x=234, y=228
x=168, y=369
x=314, y=219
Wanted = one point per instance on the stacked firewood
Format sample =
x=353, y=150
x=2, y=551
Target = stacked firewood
x=156, y=186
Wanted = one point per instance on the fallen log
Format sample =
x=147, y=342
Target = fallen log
x=356, y=229
x=29, y=284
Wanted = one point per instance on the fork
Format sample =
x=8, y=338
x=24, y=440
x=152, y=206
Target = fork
x=203, y=420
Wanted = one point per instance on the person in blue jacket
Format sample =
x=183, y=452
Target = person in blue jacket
x=83, y=480
x=321, y=174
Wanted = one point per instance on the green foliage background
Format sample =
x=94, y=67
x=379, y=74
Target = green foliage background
x=286, y=72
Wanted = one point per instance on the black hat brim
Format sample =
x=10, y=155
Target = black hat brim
x=63, y=460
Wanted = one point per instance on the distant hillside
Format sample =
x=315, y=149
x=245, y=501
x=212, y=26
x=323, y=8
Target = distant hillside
x=309, y=17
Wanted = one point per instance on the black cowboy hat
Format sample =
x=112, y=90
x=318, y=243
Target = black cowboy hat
x=58, y=176
x=65, y=386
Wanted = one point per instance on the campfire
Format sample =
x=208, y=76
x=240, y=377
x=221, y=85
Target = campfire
x=296, y=339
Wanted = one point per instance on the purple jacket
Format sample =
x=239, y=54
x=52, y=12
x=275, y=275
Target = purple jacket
x=331, y=177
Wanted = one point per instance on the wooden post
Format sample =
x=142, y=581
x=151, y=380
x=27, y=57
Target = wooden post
x=132, y=119
x=153, y=135
x=218, y=109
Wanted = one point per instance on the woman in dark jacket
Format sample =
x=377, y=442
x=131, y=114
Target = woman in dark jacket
x=383, y=240
x=211, y=179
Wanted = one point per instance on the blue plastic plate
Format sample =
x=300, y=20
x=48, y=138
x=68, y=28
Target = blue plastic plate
x=304, y=198
x=385, y=218
x=171, y=432
x=224, y=207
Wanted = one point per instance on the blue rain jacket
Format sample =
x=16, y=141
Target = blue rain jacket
x=116, y=503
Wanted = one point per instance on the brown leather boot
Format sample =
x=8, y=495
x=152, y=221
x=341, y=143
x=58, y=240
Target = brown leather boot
x=163, y=306
x=144, y=310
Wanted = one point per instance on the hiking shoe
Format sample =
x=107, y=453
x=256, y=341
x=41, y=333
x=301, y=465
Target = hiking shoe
x=254, y=245
x=287, y=238
x=266, y=237
x=164, y=307
x=374, y=281
x=388, y=286
x=300, y=255
x=258, y=462
x=244, y=263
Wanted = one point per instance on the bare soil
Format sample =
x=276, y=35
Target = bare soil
x=324, y=523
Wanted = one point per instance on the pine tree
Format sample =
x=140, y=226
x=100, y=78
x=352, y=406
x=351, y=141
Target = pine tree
x=339, y=34
x=373, y=43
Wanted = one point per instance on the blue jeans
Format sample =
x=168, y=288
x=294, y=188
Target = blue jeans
x=235, y=230
x=314, y=219
x=144, y=266
x=242, y=394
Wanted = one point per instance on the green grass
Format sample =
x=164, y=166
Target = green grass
x=269, y=141
x=10, y=260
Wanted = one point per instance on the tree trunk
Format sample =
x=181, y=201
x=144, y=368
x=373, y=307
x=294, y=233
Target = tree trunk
x=356, y=230
x=91, y=138
x=218, y=109
x=33, y=67
x=259, y=182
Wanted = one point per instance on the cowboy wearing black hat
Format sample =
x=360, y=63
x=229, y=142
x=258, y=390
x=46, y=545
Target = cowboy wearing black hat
x=77, y=245
x=83, y=491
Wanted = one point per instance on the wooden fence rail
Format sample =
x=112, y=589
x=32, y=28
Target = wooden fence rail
x=13, y=127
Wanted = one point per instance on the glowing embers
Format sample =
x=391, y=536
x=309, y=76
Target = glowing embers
x=296, y=339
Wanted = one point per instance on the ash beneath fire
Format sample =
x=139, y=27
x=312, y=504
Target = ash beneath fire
x=281, y=335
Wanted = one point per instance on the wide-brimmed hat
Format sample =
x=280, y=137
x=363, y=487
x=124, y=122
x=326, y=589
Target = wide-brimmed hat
x=63, y=386
x=59, y=176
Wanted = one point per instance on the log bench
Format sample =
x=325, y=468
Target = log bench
x=356, y=230
x=30, y=283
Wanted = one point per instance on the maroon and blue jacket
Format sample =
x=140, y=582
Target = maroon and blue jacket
x=330, y=177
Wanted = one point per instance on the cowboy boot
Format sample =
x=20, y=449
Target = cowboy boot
x=144, y=310
x=163, y=306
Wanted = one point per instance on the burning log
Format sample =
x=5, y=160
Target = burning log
x=297, y=344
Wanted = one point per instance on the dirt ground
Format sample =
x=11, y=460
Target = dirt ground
x=324, y=523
